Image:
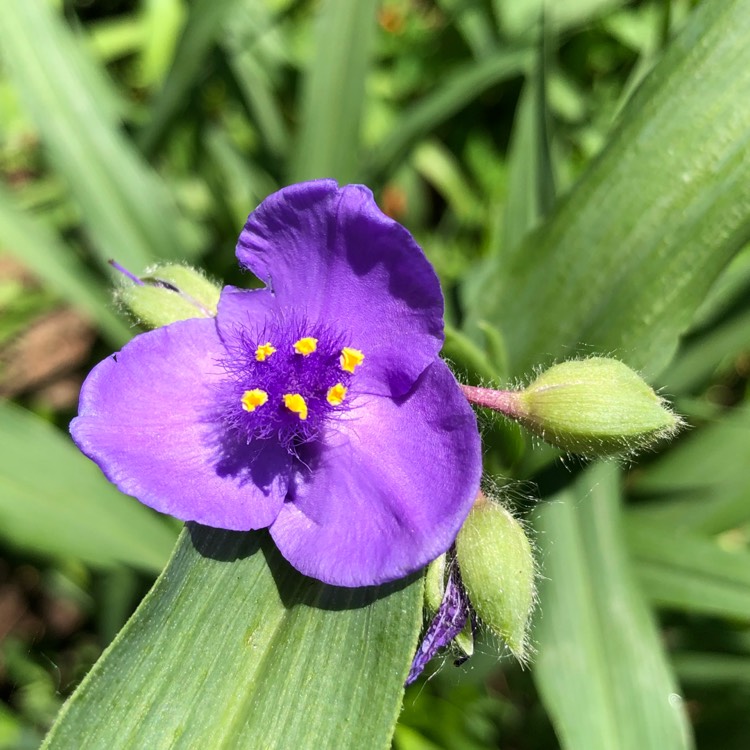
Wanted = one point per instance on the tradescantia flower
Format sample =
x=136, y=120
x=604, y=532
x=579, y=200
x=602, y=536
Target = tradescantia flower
x=316, y=407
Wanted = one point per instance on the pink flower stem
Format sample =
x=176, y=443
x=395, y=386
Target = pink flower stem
x=506, y=402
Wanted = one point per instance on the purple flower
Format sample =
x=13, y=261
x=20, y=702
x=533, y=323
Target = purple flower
x=316, y=407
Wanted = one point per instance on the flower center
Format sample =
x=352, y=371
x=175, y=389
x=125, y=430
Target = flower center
x=286, y=382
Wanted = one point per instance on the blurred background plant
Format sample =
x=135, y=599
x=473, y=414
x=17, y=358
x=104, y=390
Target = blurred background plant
x=146, y=130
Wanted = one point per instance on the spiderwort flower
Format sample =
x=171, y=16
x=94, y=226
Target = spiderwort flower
x=317, y=407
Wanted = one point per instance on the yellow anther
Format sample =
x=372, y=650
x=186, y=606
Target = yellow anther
x=264, y=351
x=295, y=403
x=336, y=394
x=306, y=345
x=350, y=358
x=251, y=400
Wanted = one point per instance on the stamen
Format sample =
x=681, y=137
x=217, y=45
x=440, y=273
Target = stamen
x=350, y=358
x=264, y=351
x=251, y=400
x=295, y=403
x=336, y=394
x=306, y=345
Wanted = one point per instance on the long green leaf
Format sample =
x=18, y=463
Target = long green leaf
x=54, y=501
x=627, y=258
x=242, y=183
x=711, y=668
x=440, y=169
x=448, y=98
x=598, y=647
x=702, y=483
x=704, y=511
x=688, y=572
x=56, y=264
x=201, y=31
x=517, y=16
x=334, y=92
x=714, y=455
x=124, y=206
x=707, y=352
x=730, y=289
x=162, y=20
x=475, y=24
x=254, y=46
x=531, y=183
x=235, y=649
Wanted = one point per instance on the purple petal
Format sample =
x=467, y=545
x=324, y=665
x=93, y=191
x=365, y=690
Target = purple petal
x=449, y=621
x=387, y=489
x=147, y=418
x=334, y=257
x=244, y=309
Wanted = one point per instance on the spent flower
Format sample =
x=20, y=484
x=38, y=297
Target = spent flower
x=316, y=407
x=452, y=617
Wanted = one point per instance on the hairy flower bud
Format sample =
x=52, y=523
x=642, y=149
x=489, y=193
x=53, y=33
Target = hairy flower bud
x=497, y=571
x=595, y=406
x=170, y=293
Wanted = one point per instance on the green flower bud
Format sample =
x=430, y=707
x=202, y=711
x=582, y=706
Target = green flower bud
x=169, y=293
x=465, y=640
x=497, y=570
x=595, y=406
x=434, y=585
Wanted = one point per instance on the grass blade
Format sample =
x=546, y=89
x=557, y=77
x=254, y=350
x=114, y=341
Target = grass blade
x=688, y=572
x=201, y=31
x=531, y=183
x=334, y=92
x=253, y=51
x=41, y=251
x=124, y=206
x=463, y=87
x=717, y=454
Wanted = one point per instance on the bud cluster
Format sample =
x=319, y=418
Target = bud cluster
x=489, y=580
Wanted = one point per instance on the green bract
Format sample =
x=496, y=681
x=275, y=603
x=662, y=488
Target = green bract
x=595, y=406
x=497, y=571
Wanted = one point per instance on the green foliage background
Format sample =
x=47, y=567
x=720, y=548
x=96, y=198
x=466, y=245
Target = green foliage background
x=578, y=173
